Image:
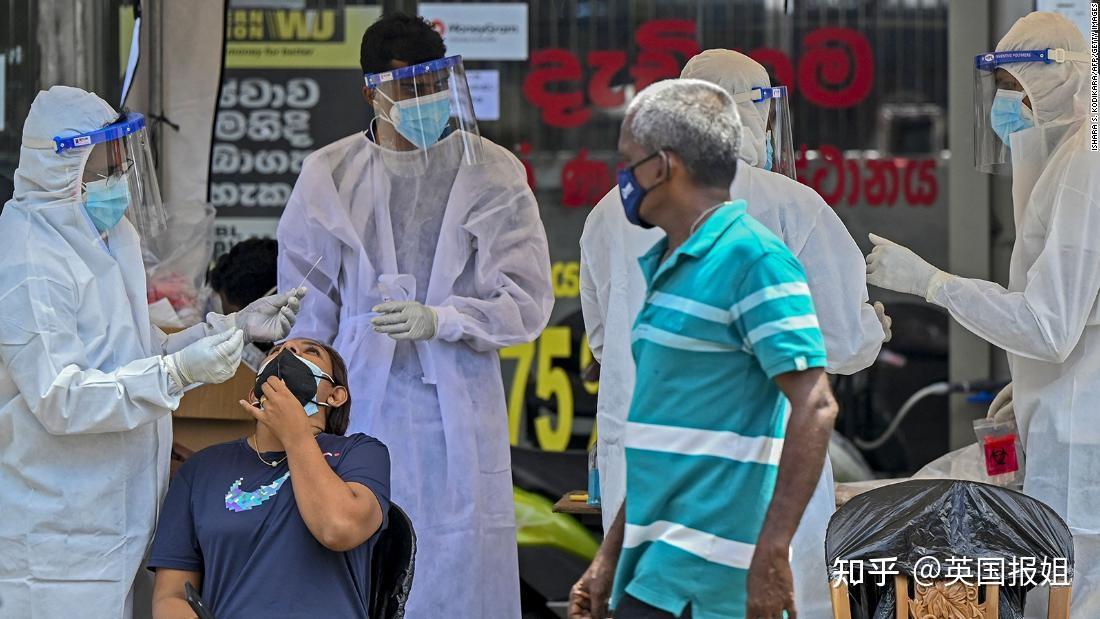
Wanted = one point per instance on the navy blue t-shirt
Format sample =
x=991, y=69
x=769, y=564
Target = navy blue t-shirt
x=235, y=519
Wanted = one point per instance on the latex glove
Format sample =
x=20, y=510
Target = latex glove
x=884, y=320
x=211, y=360
x=1001, y=408
x=895, y=267
x=270, y=318
x=405, y=320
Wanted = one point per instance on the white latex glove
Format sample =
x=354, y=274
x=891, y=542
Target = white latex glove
x=1001, y=408
x=211, y=360
x=270, y=318
x=405, y=320
x=884, y=320
x=895, y=267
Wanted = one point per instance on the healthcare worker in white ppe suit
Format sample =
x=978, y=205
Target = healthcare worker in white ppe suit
x=613, y=290
x=1033, y=98
x=432, y=258
x=87, y=384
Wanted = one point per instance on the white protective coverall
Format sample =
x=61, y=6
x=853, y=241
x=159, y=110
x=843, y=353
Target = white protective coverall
x=467, y=241
x=1048, y=320
x=85, y=430
x=613, y=292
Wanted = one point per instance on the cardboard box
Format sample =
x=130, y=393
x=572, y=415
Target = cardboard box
x=212, y=414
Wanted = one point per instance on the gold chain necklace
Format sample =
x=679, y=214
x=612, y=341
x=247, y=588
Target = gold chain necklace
x=256, y=448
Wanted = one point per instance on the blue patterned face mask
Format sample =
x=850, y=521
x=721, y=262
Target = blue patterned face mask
x=421, y=120
x=769, y=161
x=632, y=193
x=301, y=376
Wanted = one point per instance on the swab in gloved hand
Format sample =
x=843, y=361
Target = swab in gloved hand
x=309, y=272
x=269, y=319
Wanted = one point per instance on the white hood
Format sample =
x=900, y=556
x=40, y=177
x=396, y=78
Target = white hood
x=737, y=73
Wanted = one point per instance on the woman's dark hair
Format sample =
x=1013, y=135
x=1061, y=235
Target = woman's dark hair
x=336, y=422
x=247, y=272
x=399, y=36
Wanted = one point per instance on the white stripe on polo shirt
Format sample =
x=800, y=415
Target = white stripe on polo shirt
x=710, y=547
x=681, y=342
x=691, y=307
x=771, y=293
x=791, y=323
x=696, y=442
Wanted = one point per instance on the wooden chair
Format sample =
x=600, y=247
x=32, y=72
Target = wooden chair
x=910, y=520
x=950, y=601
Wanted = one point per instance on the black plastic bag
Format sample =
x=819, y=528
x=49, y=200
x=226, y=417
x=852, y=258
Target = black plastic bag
x=943, y=519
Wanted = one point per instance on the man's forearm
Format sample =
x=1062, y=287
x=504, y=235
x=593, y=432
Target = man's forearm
x=613, y=541
x=813, y=412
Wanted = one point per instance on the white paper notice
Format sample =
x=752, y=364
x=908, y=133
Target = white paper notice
x=485, y=91
x=480, y=31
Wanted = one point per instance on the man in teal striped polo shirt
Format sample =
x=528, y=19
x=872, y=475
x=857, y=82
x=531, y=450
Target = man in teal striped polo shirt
x=729, y=372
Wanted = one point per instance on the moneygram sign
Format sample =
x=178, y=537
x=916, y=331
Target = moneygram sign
x=480, y=31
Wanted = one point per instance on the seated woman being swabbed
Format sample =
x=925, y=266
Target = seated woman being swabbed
x=282, y=523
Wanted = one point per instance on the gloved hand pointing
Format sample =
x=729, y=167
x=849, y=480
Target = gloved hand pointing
x=211, y=360
x=895, y=267
x=884, y=320
x=270, y=318
x=405, y=320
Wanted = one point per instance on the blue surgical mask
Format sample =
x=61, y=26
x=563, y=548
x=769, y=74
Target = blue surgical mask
x=313, y=406
x=106, y=202
x=421, y=120
x=632, y=193
x=1009, y=114
x=769, y=160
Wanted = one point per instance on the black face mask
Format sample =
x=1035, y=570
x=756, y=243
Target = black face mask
x=301, y=377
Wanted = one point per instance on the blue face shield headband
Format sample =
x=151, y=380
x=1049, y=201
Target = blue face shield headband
x=1008, y=114
x=428, y=101
x=762, y=94
x=632, y=193
x=121, y=175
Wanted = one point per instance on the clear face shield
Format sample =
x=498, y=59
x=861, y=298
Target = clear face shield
x=773, y=103
x=119, y=177
x=425, y=110
x=1001, y=103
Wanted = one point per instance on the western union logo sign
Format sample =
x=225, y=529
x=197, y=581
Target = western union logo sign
x=279, y=38
x=324, y=26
